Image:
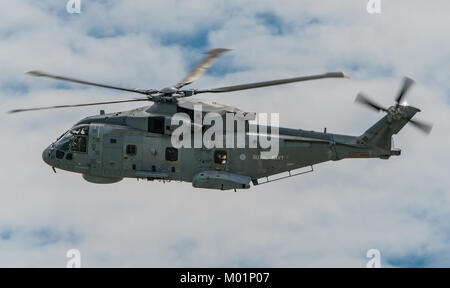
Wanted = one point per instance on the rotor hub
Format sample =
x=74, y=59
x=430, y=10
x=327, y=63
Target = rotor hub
x=169, y=90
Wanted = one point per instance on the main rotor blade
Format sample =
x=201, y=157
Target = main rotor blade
x=201, y=67
x=422, y=126
x=407, y=83
x=273, y=82
x=77, y=105
x=64, y=78
x=364, y=100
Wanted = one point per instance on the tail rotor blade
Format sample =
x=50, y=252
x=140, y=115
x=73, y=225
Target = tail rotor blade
x=364, y=100
x=422, y=126
x=407, y=83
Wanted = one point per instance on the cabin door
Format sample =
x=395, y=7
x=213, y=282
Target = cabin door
x=112, y=155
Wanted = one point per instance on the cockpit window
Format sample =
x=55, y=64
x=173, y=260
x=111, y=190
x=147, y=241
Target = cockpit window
x=79, y=144
x=59, y=154
x=74, y=140
x=80, y=130
x=65, y=142
x=62, y=135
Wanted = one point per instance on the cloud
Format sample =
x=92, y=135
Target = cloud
x=327, y=218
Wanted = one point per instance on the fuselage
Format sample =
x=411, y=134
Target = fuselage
x=114, y=151
x=138, y=144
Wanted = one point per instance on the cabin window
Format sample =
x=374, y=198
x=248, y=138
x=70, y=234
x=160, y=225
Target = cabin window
x=171, y=154
x=131, y=149
x=112, y=141
x=156, y=124
x=220, y=157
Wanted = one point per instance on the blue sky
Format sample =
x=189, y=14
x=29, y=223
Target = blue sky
x=329, y=218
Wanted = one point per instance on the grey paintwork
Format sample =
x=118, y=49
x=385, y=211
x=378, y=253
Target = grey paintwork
x=107, y=160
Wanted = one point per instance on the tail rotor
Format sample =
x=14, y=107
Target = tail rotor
x=400, y=110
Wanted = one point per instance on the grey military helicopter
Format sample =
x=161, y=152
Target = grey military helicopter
x=106, y=148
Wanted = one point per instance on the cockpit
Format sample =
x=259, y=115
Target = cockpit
x=74, y=140
x=69, y=151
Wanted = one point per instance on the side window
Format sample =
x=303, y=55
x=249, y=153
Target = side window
x=171, y=154
x=79, y=144
x=131, y=149
x=156, y=124
x=220, y=157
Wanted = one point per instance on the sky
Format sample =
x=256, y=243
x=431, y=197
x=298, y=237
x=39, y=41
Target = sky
x=328, y=218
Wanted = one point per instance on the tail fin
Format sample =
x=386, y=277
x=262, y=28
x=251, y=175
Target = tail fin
x=380, y=134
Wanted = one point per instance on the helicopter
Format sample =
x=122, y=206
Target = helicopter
x=138, y=143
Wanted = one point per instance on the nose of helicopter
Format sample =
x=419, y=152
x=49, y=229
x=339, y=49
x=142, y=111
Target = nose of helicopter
x=46, y=155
